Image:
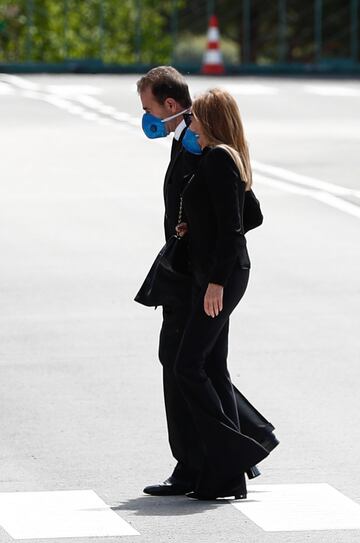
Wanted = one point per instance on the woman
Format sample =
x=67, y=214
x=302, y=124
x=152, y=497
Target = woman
x=212, y=202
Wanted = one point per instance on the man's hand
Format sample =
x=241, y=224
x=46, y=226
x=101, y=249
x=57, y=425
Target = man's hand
x=181, y=229
x=213, y=300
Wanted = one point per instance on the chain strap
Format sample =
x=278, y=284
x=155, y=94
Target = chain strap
x=180, y=210
x=181, y=200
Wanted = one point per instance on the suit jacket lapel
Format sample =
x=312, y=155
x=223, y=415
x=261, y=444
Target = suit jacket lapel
x=176, y=152
x=172, y=164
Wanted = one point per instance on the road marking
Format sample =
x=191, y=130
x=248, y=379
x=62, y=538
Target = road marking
x=33, y=94
x=5, y=88
x=75, y=513
x=64, y=104
x=122, y=116
x=248, y=89
x=323, y=191
x=90, y=116
x=332, y=90
x=288, y=175
x=73, y=90
x=89, y=101
x=242, y=88
x=298, y=507
x=325, y=198
x=20, y=82
x=257, y=89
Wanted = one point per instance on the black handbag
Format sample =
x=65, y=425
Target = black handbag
x=169, y=280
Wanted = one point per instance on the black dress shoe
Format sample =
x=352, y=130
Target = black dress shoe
x=168, y=488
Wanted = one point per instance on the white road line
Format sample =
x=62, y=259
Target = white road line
x=34, y=94
x=104, y=122
x=257, y=89
x=107, y=110
x=323, y=191
x=73, y=90
x=75, y=513
x=90, y=116
x=332, y=90
x=89, y=101
x=63, y=103
x=330, y=200
x=63, y=97
x=247, y=89
x=298, y=507
x=325, y=198
x=242, y=88
x=287, y=175
x=121, y=116
x=5, y=88
x=20, y=82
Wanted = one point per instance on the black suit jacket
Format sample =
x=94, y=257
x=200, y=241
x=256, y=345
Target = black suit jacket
x=181, y=165
x=213, y=202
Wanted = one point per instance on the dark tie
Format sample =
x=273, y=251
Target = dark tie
x=175, y=147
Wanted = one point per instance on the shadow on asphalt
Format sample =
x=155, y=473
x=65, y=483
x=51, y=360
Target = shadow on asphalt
x=168, y=505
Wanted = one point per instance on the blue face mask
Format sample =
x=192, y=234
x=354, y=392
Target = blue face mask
x=154, y=127
x=190, y=142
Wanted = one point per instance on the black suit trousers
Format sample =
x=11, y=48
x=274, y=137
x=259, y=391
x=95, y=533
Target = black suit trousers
x=183, y=438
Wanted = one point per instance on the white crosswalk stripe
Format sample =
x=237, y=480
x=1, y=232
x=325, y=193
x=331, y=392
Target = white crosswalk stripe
x=75, y=513
x=297, y=507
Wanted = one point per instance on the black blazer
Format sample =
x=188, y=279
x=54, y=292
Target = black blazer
x=213, y=203
x=182, y=164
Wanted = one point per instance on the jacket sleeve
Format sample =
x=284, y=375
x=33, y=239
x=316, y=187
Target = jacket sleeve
x=227, y=192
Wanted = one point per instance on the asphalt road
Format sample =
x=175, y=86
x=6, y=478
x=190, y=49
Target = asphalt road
x=81, y=213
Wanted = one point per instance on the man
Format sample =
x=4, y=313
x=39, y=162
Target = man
x=164, y=94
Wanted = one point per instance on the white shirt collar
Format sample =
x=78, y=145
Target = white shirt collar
x=178, y=130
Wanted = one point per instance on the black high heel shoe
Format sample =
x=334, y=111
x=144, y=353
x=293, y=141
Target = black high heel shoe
x=197, y=496
x=270, y=442
x=253, y=472
x=239, y=492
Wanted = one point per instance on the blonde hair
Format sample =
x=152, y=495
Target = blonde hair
x=219, y=115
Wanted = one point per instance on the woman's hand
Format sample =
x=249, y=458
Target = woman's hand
x=181, y=229
x=213, y=300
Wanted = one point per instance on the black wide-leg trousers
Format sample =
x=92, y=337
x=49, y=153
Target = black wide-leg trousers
x=203, y=378
x=202, y=405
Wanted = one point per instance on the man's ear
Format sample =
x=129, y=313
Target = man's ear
x=171, y=104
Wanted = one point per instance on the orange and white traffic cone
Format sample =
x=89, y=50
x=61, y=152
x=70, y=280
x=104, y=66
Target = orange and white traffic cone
x=213, y=61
